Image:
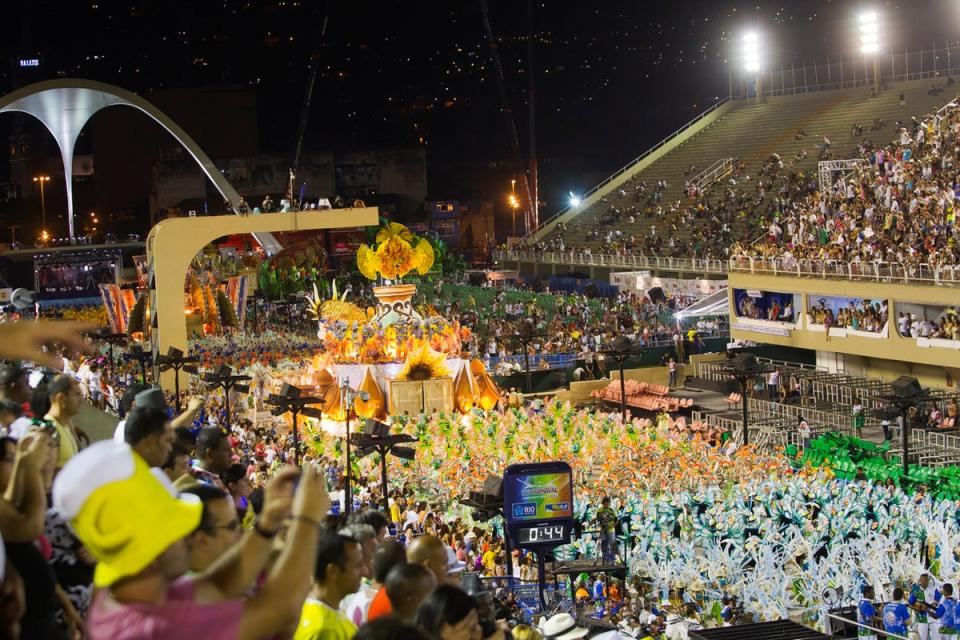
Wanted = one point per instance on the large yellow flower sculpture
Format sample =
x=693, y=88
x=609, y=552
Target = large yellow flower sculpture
x=424, y=364
x=397, y=252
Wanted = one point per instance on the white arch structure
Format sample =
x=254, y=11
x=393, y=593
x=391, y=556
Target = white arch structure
x=65, y=106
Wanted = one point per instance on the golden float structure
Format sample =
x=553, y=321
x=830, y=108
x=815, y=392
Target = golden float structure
x=404, y=360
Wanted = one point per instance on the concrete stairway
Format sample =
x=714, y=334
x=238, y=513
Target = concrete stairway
x=751, y=131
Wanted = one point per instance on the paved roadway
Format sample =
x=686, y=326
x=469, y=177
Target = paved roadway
x=98, y=424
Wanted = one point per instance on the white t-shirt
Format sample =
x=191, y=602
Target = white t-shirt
x=93, y=381
x=412, y=518
x=119, y=431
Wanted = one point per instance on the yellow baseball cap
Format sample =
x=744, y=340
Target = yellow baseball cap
x=120, y=511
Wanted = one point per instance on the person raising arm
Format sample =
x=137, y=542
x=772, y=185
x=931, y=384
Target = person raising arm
x=137, y=529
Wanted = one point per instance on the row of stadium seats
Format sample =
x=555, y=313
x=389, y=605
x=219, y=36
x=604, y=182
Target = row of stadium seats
x=751, y=131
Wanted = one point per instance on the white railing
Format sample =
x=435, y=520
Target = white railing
x=878, y=271
x=625, y=168
x=948, y=276
x=698, y=265
x=717, y=171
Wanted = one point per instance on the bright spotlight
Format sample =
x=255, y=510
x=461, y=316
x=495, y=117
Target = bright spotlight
x=869, y=33
x=574, y=199
x=751, y=52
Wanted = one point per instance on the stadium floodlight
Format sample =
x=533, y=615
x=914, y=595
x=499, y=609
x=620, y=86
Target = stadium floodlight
x=869, y=33
x=574, y=199
x=751, y=52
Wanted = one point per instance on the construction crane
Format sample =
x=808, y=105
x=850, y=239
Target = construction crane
x=308, y=98
x=530, y=181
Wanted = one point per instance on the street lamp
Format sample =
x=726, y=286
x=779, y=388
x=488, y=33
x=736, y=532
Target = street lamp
x=514, y=203
x=376, y=438
x=526, y=335
x=870, y=42
x=289, y=399
x=347, y=399
x=118, y=339
x=225, y=379
x=174, y=359
x=745, y=367
x=42, y=180
x=906, y=393
x=137, y=354
x=621, y=349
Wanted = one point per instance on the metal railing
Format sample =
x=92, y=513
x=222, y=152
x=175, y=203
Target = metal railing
x=717, y=171
x=625, y=168
x=875, y=631
x=935, y=62
x=878, y=271
x=698, y=265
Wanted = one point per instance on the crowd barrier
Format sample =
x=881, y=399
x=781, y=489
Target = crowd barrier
x=698, y=265
x=878, y=271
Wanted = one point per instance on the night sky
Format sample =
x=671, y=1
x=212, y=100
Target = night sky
x=612, y=77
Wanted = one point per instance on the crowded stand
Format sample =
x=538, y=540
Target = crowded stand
x=896, y=206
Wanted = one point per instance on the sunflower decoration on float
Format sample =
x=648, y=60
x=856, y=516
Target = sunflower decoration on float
x=396, y=253
x=424, y=364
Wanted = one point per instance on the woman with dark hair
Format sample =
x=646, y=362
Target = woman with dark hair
x=450, y=614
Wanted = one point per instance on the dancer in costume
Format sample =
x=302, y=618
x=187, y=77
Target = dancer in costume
x=896, y=616
x=924, y=598
x=867, y=615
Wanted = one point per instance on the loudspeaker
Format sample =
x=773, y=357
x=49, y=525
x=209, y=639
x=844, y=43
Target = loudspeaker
x=656, y=295
x=289, y=391
x=745, y=361
x=907, y=387
x=173, y=352
x=493, y=486
x=375, y=428
x=406, y=453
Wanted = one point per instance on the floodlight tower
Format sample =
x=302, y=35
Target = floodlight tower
x=870, y=42
x=751, y=59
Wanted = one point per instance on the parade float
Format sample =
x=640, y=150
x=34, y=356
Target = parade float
x=407, y=361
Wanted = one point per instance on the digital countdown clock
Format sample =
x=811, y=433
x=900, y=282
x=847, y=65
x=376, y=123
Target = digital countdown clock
x=538, y=503
x=542, y=534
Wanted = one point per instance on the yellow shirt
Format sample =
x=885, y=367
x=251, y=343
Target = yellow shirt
x=318, y=621
x=489, y=561
x=395, y=513
x=69, y=446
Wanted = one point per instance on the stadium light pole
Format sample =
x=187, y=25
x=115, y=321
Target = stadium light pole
x=751, y=59
x=42, y=180
x=870, y=43
x=514, y=203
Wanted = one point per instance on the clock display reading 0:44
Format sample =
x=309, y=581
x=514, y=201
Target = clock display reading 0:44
x=543, y=533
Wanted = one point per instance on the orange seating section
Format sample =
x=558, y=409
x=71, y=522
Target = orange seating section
x=643, y=395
